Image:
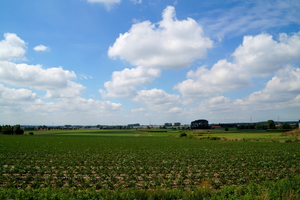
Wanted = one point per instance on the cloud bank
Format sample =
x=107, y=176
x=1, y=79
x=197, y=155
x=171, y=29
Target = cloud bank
x=258, y=56
x=57, y=83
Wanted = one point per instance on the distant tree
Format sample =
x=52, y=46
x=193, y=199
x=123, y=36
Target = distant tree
x=251, y=126
x=17, y=130
x=286, y=126
x=7, y=130
x=200, y=124
x=242, y=126
x=271, y=124
x=258, y=126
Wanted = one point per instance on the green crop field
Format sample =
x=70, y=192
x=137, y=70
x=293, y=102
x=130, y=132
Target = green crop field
x=137, y=164
x=232, y=134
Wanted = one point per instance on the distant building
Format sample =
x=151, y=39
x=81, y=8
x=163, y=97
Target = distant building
x=200, y=124
x=177, y=124
x=168, y=124
x=216, y=127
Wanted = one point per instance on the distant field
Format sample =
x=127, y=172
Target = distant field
x=101, y=132
x=274, y=135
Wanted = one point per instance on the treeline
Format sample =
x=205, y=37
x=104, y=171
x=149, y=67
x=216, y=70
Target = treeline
x=269, y=125
x=36, y=128
x=11, y=130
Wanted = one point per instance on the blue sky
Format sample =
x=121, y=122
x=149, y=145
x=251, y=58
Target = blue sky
x=115, y=62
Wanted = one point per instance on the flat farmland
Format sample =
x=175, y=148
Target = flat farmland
x=232, y=134
x=130, y=165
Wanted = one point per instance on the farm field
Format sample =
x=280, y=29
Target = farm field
x=105, y=165
x=232, y=134
x=255, y=135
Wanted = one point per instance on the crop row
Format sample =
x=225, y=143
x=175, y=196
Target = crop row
x=147, y=163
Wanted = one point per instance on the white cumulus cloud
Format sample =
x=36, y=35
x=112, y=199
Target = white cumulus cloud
x=10, y=96
x=284, y=86
x=262, y=55
x=56, y=81
x=41, y=48
x=123, y=83
x=222, y=77
x=71, y=90
x=157, y=99
x=171, y=43
x=12, y=47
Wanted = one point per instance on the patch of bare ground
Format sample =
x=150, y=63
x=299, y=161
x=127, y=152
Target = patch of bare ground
x=136, y=135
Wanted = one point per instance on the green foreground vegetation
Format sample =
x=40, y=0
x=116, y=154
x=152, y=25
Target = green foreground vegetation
x=149, y=164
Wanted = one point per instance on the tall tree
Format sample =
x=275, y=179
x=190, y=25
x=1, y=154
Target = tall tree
x=17, y=130
x=271, y=124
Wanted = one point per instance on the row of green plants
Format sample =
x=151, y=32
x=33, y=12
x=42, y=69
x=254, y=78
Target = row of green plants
x=286, y=189
x=141, y=163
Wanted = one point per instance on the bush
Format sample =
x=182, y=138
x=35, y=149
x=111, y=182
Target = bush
x=215, y=138
x=183, y=135
x=30, y=133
